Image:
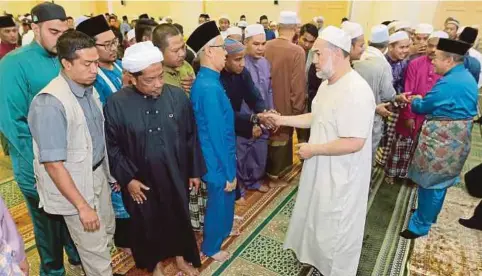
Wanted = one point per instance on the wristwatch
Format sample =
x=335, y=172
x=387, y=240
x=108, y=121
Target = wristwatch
x=254, y=119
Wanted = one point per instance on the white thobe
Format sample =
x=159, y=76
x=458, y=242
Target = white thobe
x=327, y=225
x=477, y=55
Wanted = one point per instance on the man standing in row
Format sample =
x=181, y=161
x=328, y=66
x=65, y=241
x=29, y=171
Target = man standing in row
x=263, y=20
x=177, y=71
x=8, y=35
x=109, y=78
x=289, y=91
x=20, y=81
x=108, y=82
x=224, y=24
x=420, y=38
x=215, y=121
x=419, y=80
x=248, y=105
x=450, y=107
x=376, y=70
x=398, y=47
x=8, y=43
x=71, y=165
x=256, y=64
x=155, y=155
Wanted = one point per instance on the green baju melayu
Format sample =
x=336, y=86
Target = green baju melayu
x=24, y=73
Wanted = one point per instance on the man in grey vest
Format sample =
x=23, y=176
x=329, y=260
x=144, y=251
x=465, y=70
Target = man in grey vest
x=70, y=163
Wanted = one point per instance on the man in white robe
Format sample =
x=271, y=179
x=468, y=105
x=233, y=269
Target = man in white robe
x=327, y=225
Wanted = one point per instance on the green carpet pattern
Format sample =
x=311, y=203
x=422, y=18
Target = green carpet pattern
x=261, y=251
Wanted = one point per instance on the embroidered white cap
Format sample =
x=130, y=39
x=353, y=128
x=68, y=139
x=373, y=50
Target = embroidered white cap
x=353, y=29
x=398, y=36
x=379, y=34
x=224, y=17
x=424, y=28
x=288, y=17
x=439, y=34
x=337, y=37
x=140, y=56
x=242, y=24
x=402, y=25
x=254, y=29
x=234, y=31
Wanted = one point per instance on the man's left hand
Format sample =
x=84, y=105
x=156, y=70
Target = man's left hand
x=186, y=83
x=266, y=121
x=194, y=183
x=304, y=150
x=415, y=97
x=115, y=187
x=403, y=98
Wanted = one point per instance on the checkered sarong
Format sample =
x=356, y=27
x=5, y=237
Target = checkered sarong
x=197, y=206
x=400, y=156
x=387, y=139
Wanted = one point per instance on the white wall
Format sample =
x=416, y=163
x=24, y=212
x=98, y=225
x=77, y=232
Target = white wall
x=372, y=12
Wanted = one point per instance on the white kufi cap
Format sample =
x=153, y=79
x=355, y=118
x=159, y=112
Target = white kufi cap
x=424, y=28
x=224, y=17
x=439, y=34
x=402, y=25
x=140, y=56
x=234, y=31
x=79, y=20
x=288, y=17
x=337, y=37
x=379, y=34
x=242, y=24
x=398, y=36
x=392, y=24
x=131, y=34
x=353, y=29
x=254, y=29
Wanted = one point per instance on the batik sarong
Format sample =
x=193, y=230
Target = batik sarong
x=442, y=149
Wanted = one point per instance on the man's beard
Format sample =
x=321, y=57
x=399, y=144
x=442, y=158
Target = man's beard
x=326, y=71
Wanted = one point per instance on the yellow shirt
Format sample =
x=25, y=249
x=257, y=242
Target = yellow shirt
x=173, y=76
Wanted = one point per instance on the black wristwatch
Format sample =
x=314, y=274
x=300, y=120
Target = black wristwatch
x=254, y=119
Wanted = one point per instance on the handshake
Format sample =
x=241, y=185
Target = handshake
x=269, y=119
x=402, y=100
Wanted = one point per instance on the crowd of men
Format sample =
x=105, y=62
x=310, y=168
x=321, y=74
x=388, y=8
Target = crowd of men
x=129, y=136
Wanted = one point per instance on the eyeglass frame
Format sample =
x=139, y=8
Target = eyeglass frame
x=108, y=46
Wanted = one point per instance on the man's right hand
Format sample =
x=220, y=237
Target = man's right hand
x=89, y=218
x=382, y=110
x=186, y=83
x=257, y=132
x=135, y=188
x=230, y=186
x=24, y=267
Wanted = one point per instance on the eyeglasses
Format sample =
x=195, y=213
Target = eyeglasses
x=110, y=44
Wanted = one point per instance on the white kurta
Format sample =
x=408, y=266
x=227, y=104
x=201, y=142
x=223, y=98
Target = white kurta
x=327, y=225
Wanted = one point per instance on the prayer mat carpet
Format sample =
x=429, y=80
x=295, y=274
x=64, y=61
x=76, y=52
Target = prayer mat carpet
x=122, y=263
x=259, y=251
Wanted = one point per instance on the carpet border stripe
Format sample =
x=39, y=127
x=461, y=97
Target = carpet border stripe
x=400, y=260
x=255, y=233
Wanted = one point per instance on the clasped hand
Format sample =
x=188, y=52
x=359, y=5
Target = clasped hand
x=267, y=121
